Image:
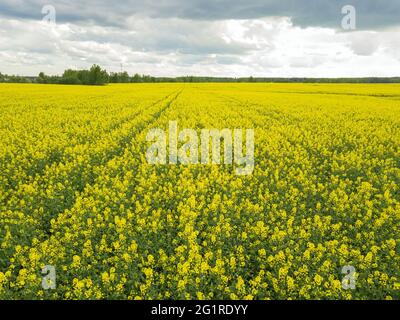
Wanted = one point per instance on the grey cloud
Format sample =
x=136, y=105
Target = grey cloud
x=181, y=36
x=194, y=37
x=365, y=44
x=371, y=13
x=226, y=59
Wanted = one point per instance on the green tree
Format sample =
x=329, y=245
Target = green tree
x=84, y=77
x=97, y=76
x=42, y=78
x=70, y=77
x=136, y=78
x=123, y=77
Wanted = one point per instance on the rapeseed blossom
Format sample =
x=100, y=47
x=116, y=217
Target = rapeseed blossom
x=77, y=193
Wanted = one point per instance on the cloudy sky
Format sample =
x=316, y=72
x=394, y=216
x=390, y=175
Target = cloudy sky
x=288, y=38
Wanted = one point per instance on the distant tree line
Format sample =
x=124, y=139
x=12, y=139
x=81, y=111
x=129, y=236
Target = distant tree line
x=97, y=76
x=14, y=79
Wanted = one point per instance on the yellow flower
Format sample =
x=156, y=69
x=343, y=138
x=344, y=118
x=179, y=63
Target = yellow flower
x=318, y=279
x=200, y=295
x=240, y=284
x=262, y=253
x=76, y=261
x=290, y=283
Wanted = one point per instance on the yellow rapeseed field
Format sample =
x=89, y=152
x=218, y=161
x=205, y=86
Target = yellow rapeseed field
x=77, y=193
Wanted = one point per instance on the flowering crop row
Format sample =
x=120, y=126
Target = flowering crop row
x=77, y=193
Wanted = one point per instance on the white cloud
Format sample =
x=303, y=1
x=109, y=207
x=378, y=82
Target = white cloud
x=171, y=46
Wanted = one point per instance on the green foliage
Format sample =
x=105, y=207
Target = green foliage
x=119, y=77
x=94, y=76
x=97, y=76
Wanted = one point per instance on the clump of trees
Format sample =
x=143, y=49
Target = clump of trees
x=94, y=76
x=119, y=77
x=14, y=79
x=97, y=76
x=42, y=78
